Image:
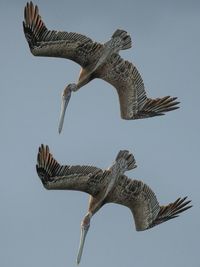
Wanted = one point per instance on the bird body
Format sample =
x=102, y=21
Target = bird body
x=108, y=186
x=97, y=61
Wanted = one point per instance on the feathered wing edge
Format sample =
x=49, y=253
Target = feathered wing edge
x=143, y=203
x=134, y=104
x=171, y=211
x=47, y=167
x=62, y=44
x=36, y=31
x=157, y=107
x=34, y=27
x=67, y=177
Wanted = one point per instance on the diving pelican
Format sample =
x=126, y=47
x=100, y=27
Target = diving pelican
x=97, y=61
x=108, y=186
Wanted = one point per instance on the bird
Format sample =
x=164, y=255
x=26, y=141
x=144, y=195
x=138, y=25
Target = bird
x=107, y=186
x=97, y=61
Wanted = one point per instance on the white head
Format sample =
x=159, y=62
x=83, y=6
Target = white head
x=66, y=95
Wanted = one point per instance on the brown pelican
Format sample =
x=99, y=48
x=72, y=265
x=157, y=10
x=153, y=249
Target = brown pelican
x=108, y=186
x=97, y=61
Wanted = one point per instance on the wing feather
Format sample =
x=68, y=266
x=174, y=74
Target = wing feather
x=171, y=211
x=56, y=176
x=43, y=42
x=143, y=203
x=128, y=82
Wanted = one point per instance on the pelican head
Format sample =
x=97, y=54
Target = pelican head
x=85, y=225
x=66, y=95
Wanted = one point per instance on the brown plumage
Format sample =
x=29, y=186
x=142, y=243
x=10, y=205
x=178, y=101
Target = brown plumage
x=97, y=61
x=108, y=186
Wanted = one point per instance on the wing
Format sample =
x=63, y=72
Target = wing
x=43, y=42
x=66, y=177
x=134, y=103
x=143, y=203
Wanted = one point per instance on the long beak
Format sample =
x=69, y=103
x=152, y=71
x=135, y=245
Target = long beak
x=64, y=104
x=82, y=241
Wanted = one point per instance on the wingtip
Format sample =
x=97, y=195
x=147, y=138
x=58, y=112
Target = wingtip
x=181, y=205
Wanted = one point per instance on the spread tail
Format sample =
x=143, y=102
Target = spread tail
x=124, y=37
x=120, y=41
x=126, y=160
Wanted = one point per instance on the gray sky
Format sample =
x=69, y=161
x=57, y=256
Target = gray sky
x=41, y=228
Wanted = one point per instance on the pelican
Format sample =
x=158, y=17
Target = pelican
x=108, y=186
x=97, y=61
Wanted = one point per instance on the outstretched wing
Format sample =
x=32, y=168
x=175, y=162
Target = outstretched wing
x=143, y=203
x=56, y=176
x=134, y=103
x=43, y=42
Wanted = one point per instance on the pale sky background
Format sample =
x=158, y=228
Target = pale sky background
x=40, y=227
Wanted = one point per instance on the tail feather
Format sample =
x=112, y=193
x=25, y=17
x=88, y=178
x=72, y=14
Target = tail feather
x=126, y=160
x=120, y=41
x=125, y=39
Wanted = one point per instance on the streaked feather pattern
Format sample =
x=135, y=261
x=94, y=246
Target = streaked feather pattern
x=56, y=176
x=143, y=203
x=171, y=211
x=134, y=103
x=44, y=42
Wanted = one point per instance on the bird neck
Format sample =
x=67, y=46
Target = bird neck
x=95, y=203
x=86, y=220
x=84, y=77
x=83, y=82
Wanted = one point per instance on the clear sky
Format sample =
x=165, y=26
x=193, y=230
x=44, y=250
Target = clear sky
x=40, y=227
